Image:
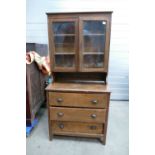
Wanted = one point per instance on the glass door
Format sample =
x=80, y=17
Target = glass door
x=64, y=40
x=93, y=33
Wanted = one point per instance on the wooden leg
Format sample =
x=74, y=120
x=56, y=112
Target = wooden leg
x=103, y=140
x=50, y=130
x=50, y=136
x=49, y=121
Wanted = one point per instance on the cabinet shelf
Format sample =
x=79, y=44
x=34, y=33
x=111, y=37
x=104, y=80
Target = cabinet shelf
x=94, y=34
x=63, y=35
x=65, y=53
x=64, y=44
x=93, y=53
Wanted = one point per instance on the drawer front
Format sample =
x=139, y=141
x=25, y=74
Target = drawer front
x=77, y=114
x=76, y=127
x=78, y=100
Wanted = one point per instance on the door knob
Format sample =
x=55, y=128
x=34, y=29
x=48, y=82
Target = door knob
x=59, y=100
x=94, y=101
x=61, y=126
x=93, y=116
x=93, y=127
x=60, y=114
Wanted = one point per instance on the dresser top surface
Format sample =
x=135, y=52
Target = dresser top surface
x=83, y=12
x=78, y=87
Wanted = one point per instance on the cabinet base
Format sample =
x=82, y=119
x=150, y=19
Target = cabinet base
x=101, y=137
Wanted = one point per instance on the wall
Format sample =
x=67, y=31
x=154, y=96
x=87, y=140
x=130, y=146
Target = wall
x=36, y=31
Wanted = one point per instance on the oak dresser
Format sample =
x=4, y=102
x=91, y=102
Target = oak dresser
x=78, y=98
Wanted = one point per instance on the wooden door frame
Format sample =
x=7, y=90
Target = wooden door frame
x=52, y=48
x=107, y=18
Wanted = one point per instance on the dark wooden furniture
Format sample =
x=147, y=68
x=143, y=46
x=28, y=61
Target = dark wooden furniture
x=78, y=99
x=35, y=84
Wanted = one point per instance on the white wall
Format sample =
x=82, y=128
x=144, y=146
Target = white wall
x=36, y=25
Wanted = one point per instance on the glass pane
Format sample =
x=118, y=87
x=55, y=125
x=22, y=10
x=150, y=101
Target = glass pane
x=64, y=37
x=64, y=28
x=64, y=60
x=94, y=43
x=93, y=61
x=97, y=27
x=64, y=44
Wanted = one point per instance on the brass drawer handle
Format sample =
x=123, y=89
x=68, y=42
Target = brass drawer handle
x=93, y=127
x=59, y=100
x=93, y=116
x=94, y=101
x=60, y=114
x=61, y=126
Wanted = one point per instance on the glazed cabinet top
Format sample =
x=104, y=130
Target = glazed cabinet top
x=79, y=42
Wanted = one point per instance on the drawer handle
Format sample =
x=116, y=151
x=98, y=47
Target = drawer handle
x=92, y=127
x=59, y=100
x=60, y=114
x=93, y=116
x=94, y=101
x=61, y=126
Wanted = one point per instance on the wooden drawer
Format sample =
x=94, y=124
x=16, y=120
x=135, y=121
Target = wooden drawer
x=93, y=100
x=76, y=127
x=77, y=114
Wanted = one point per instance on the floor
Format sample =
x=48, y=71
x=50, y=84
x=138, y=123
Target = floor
x=117, y=137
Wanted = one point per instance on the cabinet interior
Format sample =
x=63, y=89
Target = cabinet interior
x=82, y=77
